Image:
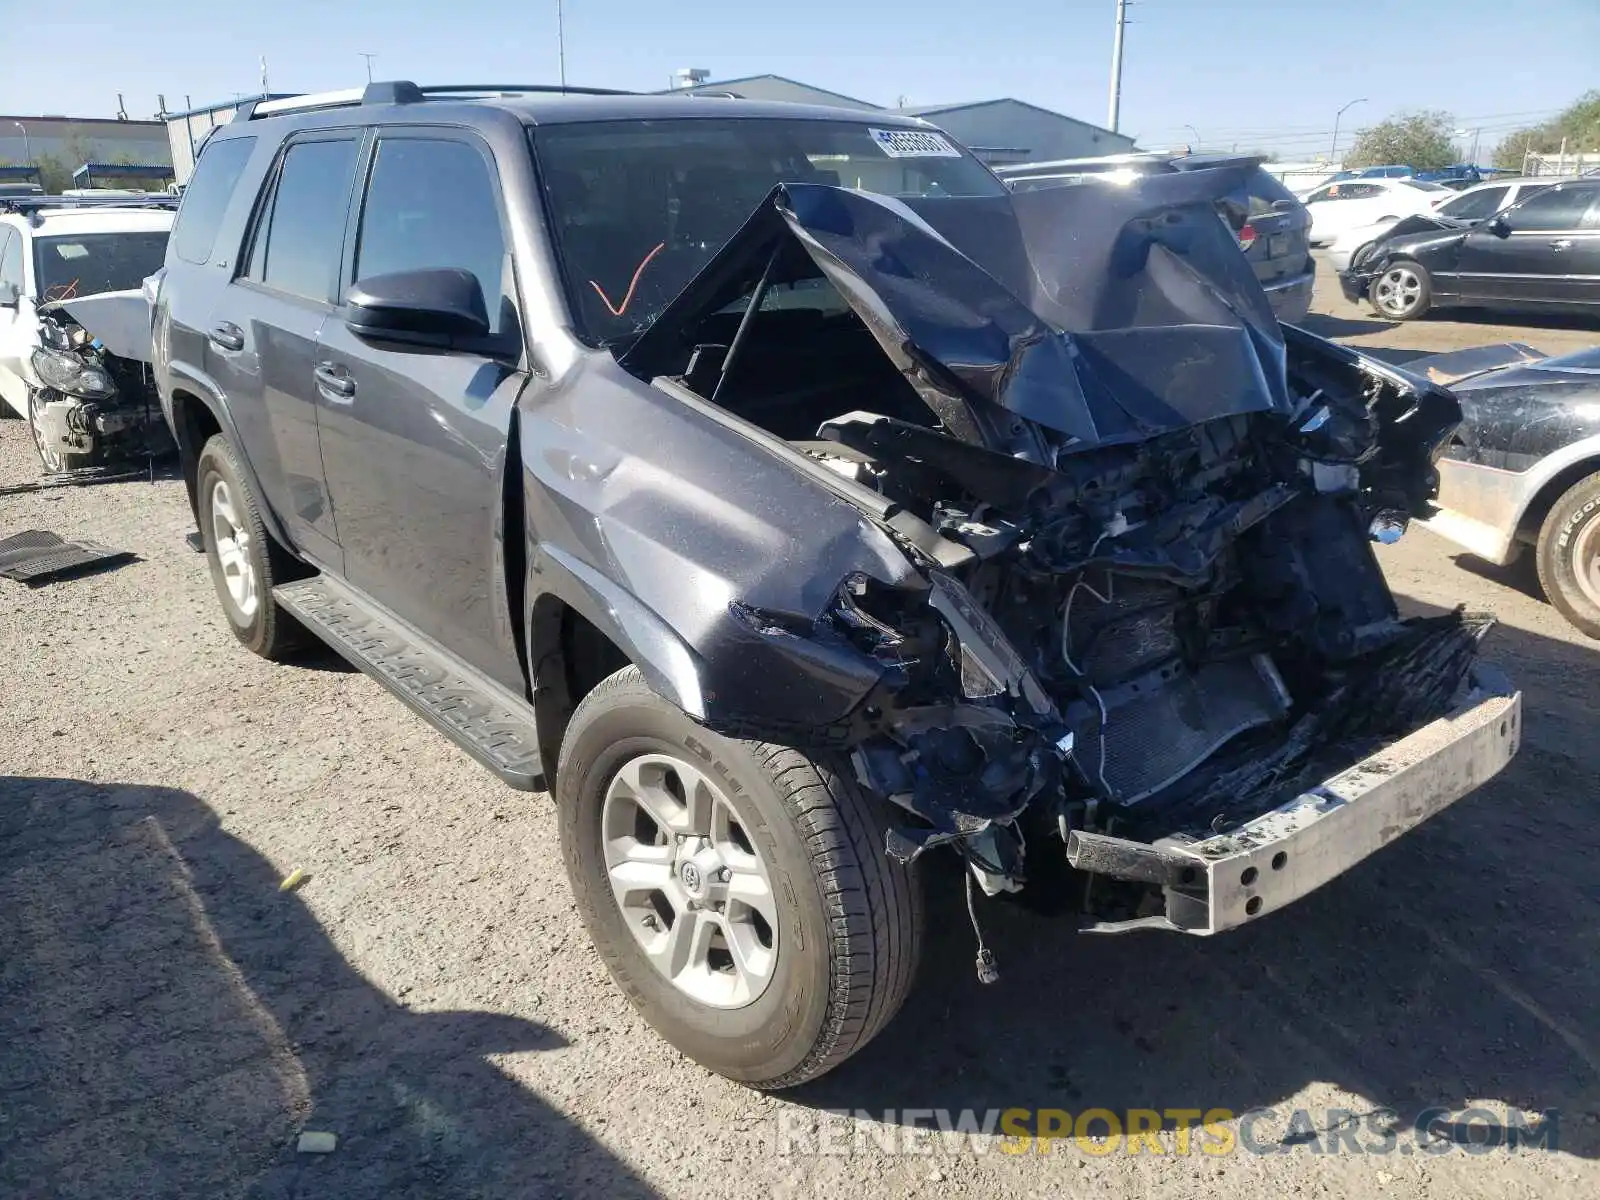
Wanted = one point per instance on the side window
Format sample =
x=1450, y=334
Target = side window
x=1331, y=192
x=1360, y=191
x=206, y=198
x=299, y=236
x=1476, y=206
x=1554, y=209
x=431, y=203
x=10, y=257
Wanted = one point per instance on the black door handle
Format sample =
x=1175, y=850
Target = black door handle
x=227, y=336
x=331, y=377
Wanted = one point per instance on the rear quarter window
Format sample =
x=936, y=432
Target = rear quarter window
x=206, y=198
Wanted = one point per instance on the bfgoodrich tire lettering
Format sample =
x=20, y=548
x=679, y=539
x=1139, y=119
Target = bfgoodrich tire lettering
x=226, y=504
x=1569, y=555
x=849, y=918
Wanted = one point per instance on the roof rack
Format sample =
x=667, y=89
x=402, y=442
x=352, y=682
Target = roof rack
x=401, y=91
x=33, y=206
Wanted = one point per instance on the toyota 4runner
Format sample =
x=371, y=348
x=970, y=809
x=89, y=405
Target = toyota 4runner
x=792, y=502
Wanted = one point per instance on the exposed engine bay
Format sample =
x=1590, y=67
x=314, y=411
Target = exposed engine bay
x=1144, y=512
x=95, y=407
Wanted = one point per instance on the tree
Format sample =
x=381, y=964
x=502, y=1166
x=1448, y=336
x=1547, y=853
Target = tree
x=1419, y=139
x=1578, y=125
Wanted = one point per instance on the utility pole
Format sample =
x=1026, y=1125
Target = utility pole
x=561, y=43
x=1115, y=107
x=369, y=55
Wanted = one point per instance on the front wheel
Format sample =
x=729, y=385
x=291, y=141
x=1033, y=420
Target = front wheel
x=738, y=892
x=53, y=460
x=1569, y=555
x=1403, y=291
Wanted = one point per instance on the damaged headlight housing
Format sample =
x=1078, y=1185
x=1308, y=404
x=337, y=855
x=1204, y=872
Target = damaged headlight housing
x=70, y=374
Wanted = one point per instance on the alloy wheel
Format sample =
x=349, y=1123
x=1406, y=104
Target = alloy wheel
x=1398, y=291
x=232, y=539
x=693, y=889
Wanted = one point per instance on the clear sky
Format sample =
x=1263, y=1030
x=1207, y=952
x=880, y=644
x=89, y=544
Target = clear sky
x=1263, y=75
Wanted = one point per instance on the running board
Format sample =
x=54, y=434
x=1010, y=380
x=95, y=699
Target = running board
x=493, y=725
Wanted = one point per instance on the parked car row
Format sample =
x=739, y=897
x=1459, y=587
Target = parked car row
x=1474, y=204
x=1541, y=254
x=798, y=503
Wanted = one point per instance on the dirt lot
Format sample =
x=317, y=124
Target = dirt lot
x=169, y=1021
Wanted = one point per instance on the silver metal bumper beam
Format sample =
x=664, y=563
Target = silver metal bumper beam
x=1280, y=856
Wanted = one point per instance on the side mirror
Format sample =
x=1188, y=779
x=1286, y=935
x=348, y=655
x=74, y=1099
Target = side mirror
x=1498, y=226
x=10, y=295
x=430, y=308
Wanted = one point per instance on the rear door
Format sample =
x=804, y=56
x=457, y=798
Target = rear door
x=413, y=439
x=1546, y=260
x=261, y=342
x=1341, y=206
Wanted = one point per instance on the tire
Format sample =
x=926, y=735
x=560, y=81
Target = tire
x=849, y=920
x=1569, y=555
x=224, y=498
x=51, y=460
x=1403, y=291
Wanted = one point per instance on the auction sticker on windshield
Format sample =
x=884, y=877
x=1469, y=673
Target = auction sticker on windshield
x=913, y=143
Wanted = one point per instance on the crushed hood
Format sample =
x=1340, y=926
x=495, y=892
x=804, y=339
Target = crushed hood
x=120, y=320
x=1107, y=313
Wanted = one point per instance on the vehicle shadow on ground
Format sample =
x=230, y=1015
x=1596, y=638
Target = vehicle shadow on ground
x=1457, y=967
x=170, y=1021
x=1328, y=326
x=1520, y=574
x=1534, y=321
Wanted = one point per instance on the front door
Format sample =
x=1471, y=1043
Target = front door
x=17, y=323
x=262, y=337
x=413, y=439
x=1543, y=258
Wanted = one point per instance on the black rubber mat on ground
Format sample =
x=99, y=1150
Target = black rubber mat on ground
x=37, y=557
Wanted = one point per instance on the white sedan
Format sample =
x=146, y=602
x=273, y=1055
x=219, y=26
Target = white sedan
x=1475, y=203
x=1336, y=207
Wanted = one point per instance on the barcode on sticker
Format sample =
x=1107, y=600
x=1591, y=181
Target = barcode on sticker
x=913, y=143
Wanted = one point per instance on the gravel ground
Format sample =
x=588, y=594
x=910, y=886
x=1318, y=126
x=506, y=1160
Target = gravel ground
x=170, y=1021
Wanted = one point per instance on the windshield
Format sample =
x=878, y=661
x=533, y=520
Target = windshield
x=637, y=208
x=88, y=263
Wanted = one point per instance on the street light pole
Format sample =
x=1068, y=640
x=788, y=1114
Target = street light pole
x=27, y=143
x=369, y=55
x=1196, y=133
x=1333, y=151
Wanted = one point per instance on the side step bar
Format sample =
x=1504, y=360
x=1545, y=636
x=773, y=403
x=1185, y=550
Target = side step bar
x=493, y=725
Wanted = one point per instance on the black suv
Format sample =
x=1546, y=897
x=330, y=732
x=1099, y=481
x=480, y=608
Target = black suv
x=791, y=499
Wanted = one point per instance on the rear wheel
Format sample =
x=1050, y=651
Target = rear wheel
x=1569, y=555
x=738, y=892
x=246, y=564
x=1403, y=291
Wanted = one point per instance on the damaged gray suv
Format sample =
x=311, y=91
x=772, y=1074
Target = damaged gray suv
x=818, y=521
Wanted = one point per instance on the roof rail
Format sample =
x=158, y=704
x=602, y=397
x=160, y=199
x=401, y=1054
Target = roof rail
x=32, y=206
x=403, y=91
